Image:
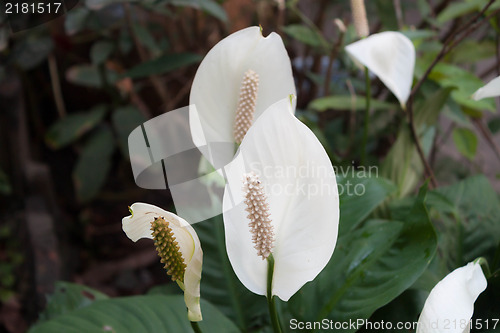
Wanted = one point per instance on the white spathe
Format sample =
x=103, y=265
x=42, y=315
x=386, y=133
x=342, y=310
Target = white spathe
x=138, y=225
x=491, y=89
x=216, y=87
x=301, y=189
x=391, y=56
x=450, y=304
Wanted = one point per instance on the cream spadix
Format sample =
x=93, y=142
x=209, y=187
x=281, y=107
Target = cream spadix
x=177, y=244
x=294, y=192
x=391, y=56
x=243, y=72
x=450, y=304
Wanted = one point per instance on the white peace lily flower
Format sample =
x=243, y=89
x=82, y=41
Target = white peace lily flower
x=238, y=79
x=178, y=247
x=280, y=198
x=451, y=301
x=491, y=89
x=391, y=56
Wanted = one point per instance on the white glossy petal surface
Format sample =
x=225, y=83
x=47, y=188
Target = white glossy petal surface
x=300, y=184
x=391, y=56
x=491, y=89
x=450, y=304
x=216, y=86
x=138, y=225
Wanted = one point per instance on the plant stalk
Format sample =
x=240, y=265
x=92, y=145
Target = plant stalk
x=196, y=327
x=270, y=299
x=367, y=116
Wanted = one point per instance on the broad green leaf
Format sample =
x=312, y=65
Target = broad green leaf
x=466, y=84
x=5, y=188
x=163, y=64
x=89, y=75
x=220, y=285
x=419, y=34
x=148, y=314
x=146, y=38
x=68, y=129
x=75, y=20
x=371, y=266
x=99, y=4
x=402, y=164
x=494, y=125
x=348, y=103
x=466, y=142
x=471, y=51
x=29, y=52
x=125, y=120
x=210, y=6
x=101, y=51
x=305, y=35
x=68, y=297
x=93, y=164
x=457, y=9
x=469, y=225
x=359, y=195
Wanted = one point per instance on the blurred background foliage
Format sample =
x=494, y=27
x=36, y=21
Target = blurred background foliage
x=72, y=89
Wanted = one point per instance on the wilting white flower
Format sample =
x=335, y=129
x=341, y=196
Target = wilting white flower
x=281, y=198
x=491, y=89
x=450, y=304
x=177, y=245
x=391, y=56
x=238, y=79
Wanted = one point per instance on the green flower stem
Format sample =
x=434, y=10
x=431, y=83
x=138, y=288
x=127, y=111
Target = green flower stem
x=367, y=116
x=196, y=327
x=270, y=299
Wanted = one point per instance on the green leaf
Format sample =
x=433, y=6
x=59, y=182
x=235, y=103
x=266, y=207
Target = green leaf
x=101, y=51
x=220, y=285
x=68, y=129
x=371, y=266
x=466, y=84
x=163, y=64
x=93, y=164
x=89, y=76
x=359, y=195
x=29, y=52
x=100, y=4
x=5, y=188
x=468, y=225
x=125, y=120
x=457, y=9
x=152, y=313
x=68, y=297
x=305, y=35
x=494, y=125
x=348, y=103
x=466, y=142
x=75, y=20
x=402, y=164
x=471, y=51
x=210, y=6
x=146, y=38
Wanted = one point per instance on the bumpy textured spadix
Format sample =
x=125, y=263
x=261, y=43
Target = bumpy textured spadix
x=215, y=93
x=301, y=199
x=359, y=18
x=258, y=214
x=168, y=249
x=246, y=105
x=177, y=244
x=450, y=304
